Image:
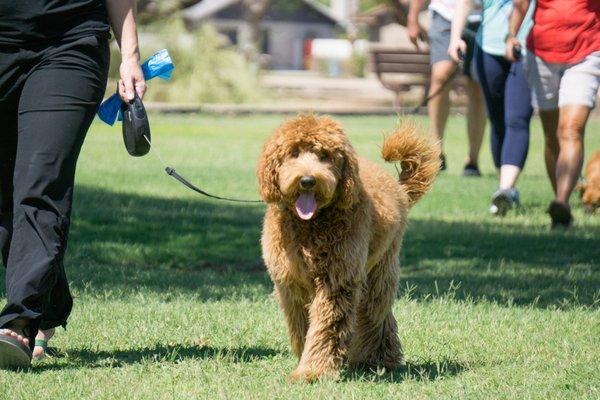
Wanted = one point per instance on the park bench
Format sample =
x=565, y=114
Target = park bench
x=400, y=68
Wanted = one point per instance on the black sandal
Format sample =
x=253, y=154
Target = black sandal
x=13, y=354
x=561, y=215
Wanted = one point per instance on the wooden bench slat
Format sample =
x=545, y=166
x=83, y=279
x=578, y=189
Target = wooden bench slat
x=394, y=67
x=383, y=68
x=396, y=50
x=402, y=58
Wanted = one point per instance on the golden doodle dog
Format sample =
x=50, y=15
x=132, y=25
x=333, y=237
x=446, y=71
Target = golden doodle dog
x=590, y=190
x=331, y=237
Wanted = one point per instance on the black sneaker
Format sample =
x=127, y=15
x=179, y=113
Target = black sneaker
x=503, y=200
x=442, y=162
x=471, y=170
x=561, y=215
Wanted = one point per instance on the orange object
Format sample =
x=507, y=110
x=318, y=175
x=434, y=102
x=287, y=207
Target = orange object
x=565, y=31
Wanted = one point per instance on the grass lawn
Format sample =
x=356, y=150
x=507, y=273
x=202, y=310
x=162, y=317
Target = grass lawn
x=172, y=299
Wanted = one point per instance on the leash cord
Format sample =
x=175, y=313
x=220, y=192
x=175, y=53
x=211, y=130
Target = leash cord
x=172, y=173
x=440, y=90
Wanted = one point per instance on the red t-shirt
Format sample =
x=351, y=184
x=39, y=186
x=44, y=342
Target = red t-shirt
x=565, y=31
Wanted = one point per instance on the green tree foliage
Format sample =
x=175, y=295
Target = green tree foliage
x=207, y=70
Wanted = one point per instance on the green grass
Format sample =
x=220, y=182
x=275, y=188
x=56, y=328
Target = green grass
x=172, y=299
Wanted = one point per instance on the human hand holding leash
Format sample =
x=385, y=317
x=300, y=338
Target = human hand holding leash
x=513, y=49
x=457, y=50
x=132, y=80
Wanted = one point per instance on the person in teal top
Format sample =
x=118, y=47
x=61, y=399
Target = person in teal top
x=506, y=94
x=493, y=31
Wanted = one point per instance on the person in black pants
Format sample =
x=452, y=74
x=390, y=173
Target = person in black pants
x=506, y=93
x=54, y=59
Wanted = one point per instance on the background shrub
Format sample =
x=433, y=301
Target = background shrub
x=208, y=69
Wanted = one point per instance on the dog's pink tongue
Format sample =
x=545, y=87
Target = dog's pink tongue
x=306, y=205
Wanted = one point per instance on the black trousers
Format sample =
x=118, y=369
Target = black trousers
x=48, y=98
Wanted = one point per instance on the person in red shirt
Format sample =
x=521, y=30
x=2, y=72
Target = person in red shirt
x=563, y=69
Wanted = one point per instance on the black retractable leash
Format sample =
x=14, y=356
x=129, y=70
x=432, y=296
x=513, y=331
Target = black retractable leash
x=516, y=52
x=136, y=128
x=137, y=138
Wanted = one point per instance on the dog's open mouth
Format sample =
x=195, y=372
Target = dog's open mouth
x=306, y=205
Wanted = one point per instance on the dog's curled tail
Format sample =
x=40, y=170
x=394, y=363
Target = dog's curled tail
x=419, y=159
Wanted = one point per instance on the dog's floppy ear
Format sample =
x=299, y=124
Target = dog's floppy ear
x=349, y=183
x=267, y=171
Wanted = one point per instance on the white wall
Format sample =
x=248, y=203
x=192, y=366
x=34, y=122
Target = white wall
x=286, y=42
x=285, y=39
x=344, y=10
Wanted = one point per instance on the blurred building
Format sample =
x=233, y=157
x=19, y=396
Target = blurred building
x=288, y=26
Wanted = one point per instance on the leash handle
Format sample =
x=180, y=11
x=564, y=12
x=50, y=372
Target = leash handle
x=516, y=52
x=171, y=172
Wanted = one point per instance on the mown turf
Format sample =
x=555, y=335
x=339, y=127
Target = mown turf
x=172, y=299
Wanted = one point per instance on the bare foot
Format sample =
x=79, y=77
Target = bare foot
x=39, y=352
x=17, y=334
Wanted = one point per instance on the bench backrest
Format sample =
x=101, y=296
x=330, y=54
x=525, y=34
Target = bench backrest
x=396, y=60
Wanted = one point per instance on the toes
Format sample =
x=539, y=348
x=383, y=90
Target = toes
x=13, y=334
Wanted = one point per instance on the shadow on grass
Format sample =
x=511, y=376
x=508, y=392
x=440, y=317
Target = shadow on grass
x=124, y=243
x=522, y=265
x=87, y=358
x=418, y=371
x=160, y=354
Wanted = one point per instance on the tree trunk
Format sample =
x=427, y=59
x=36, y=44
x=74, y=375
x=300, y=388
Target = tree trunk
x=254, y=10
x=149, y=10
x=400, y=10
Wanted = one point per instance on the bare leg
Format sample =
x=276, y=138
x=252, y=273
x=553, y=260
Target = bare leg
x=571, y=127
x=475, y=120
x=439, y=106
x=508, y=176
x=550, y=124
x=39, y=352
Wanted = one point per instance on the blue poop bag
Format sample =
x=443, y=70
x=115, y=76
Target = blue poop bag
x=158, y=65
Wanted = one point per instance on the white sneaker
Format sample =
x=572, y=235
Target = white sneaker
x=503, y=200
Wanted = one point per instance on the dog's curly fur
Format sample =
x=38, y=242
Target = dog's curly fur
x=336, y=274
x=590, y=189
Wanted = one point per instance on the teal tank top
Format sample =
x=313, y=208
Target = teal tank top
x=494, y=26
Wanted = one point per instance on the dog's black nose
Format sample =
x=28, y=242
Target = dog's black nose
x=307, y=182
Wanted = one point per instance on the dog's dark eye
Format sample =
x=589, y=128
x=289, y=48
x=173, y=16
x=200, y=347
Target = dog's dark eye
x=324, y=157
x=295, y=153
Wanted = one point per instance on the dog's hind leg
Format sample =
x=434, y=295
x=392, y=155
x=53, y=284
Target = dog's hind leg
x=375, y=341
x=296, y=316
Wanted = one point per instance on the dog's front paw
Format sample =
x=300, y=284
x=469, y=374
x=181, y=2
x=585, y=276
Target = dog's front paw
x=310, y=375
